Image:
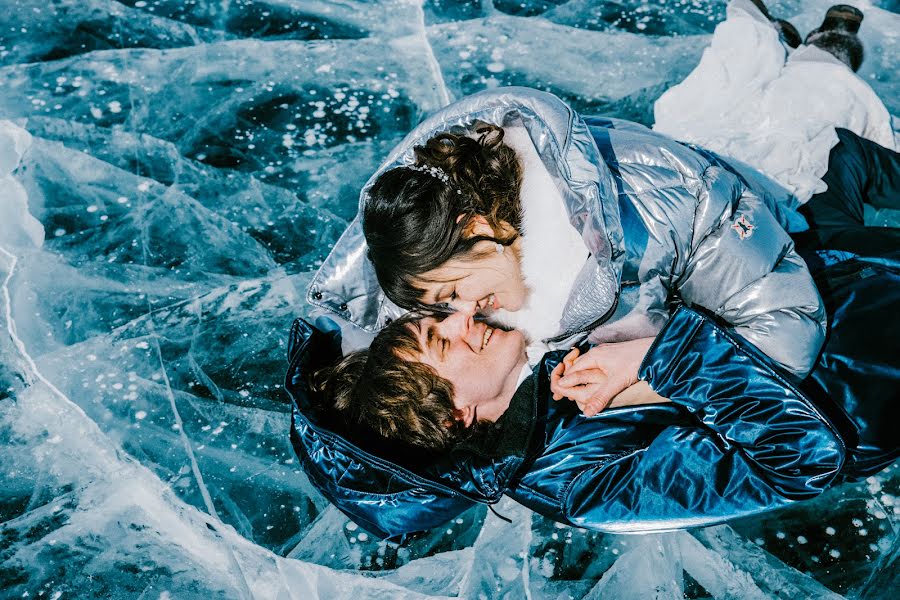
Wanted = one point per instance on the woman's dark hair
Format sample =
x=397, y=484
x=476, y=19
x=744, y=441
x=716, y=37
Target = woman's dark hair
x=411, y=218
x=387, y=391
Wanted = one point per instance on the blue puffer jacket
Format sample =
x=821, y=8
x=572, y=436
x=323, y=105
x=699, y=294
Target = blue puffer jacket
x=738, y=438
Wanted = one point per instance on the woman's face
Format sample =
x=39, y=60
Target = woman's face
x=481, y=282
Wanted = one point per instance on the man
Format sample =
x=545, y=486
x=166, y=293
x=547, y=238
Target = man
x=733, y=438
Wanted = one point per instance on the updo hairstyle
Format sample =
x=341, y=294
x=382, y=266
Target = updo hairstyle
x=415, y=221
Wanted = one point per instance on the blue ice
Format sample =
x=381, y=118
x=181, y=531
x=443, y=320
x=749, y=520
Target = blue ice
x=172, y=173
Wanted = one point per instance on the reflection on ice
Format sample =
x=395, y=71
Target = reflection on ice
x=188, y=167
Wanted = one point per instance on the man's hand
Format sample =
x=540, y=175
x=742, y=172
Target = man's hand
x=595, y=378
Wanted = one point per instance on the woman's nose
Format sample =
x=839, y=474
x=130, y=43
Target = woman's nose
x=467, y=307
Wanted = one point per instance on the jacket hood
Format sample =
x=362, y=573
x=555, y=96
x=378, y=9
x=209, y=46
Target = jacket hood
x=347, y=463
x=346, y=284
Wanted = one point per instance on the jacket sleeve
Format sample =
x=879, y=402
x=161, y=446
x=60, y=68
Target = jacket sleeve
x=752, y=441
x=738, y=262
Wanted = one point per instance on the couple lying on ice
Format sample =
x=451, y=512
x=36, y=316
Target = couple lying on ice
x=620, y=331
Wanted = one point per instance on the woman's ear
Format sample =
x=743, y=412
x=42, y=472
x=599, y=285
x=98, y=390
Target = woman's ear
x=477, y=226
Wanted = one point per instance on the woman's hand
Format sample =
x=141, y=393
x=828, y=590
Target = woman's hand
x=592, y=380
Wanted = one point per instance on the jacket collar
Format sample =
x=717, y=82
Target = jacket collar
x=346, y=284
x=487, y=463
x=552, y=251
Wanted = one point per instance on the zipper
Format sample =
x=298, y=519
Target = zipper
x=605, y=317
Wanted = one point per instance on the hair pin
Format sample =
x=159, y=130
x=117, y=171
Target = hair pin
x=436, y=172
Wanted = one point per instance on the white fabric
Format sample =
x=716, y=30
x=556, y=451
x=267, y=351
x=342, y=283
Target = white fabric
x=552, y=251
x=525, y=373
x=749, y=100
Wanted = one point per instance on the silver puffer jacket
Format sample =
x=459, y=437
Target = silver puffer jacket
x=664, y=222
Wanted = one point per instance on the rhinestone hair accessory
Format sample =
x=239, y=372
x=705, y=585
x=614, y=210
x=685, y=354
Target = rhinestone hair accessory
x=436, y=172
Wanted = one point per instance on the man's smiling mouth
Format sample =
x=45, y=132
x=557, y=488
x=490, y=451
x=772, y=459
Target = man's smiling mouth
x=488, y=332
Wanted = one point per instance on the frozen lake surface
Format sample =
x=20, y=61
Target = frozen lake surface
x=187, y=167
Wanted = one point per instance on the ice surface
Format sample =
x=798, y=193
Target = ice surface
x=172, y=175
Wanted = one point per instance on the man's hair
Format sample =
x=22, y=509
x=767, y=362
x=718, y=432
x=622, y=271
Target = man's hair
x=387, y=391
x=411, y=217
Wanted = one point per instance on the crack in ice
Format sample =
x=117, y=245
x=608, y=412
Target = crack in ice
x=19, y=344
x=433, y=64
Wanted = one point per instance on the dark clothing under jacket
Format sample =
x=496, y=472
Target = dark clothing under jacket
x=739, y=437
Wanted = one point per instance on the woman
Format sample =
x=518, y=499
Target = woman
x=614, y=224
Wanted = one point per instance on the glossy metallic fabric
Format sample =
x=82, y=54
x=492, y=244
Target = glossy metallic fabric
x=657, y=215
x=860, y=364
x=346, y=283
x=737, y=439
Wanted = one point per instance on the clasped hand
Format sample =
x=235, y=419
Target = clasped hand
x=593, y=380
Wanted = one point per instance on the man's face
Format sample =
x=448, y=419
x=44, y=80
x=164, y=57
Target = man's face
x=481, y=362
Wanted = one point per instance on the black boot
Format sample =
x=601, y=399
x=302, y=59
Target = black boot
x=837, y=35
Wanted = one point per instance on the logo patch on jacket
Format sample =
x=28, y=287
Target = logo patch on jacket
x=743, y=227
